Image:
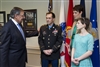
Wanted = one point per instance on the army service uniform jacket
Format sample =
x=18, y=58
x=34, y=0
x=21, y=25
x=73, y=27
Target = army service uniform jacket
x=50, y=39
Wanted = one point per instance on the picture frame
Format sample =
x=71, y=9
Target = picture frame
x=8, y=17
x=30, y=21
x=2, y=18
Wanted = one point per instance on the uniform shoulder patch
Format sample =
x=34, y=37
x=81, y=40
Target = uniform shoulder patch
x=43, y=25
x=56, y=24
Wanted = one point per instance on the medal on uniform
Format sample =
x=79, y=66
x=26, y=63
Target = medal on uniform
x=44, y=33
x=55, y=32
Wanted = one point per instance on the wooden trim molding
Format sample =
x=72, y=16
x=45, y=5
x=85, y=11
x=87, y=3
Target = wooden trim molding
x=33, y=50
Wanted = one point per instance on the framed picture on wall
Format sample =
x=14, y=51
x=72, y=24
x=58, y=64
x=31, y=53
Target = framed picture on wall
x=2, y=18
x=8, y=17
x=30, y=21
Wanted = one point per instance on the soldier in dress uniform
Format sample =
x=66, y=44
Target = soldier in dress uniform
x=50, y=40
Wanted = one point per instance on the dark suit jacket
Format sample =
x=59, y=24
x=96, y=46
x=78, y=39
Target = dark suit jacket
x=50, y=39
x=13, y=51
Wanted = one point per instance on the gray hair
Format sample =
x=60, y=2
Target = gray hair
x=15, y=11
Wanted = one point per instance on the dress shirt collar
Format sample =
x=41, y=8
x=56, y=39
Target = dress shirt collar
x=14, y=21
x=50, y=25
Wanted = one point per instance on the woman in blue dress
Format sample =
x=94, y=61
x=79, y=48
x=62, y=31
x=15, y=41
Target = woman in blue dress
x=82, y=46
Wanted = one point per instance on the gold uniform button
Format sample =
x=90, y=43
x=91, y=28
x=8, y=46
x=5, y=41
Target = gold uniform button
x=0, y=42
x=48, y=42
x=43, y=38
x=48, y=39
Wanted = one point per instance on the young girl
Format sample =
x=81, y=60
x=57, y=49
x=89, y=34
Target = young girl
x=83, y=45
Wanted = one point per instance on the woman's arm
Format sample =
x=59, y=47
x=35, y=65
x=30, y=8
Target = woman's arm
x=87, y=54
x=90, y=49
x=72, y=54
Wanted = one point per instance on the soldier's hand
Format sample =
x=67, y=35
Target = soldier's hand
x=46, y=52
x=50, y=51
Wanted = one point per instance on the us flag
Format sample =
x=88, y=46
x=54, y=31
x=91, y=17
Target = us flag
x=50, y=6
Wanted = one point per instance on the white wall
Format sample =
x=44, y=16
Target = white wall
x=42, y=8
x=0, y=5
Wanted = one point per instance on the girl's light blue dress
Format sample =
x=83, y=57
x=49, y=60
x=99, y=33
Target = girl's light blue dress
x=82, y=44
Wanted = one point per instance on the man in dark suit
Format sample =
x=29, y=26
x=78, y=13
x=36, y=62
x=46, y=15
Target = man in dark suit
x=50, y=40
x=13, y=51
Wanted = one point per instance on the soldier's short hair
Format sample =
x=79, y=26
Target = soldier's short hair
x=53, y=15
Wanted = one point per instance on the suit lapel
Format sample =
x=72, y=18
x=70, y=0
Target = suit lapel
x=17, y=30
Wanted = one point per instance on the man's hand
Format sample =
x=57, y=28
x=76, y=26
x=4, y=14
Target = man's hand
x=48, y=52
